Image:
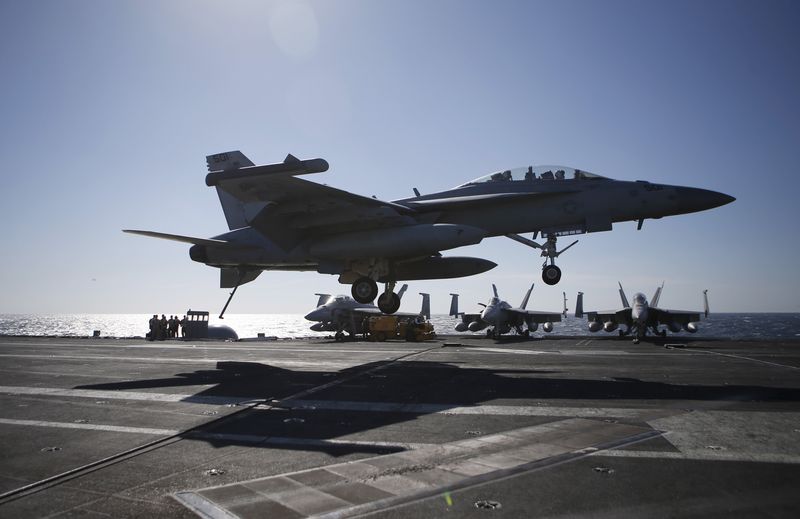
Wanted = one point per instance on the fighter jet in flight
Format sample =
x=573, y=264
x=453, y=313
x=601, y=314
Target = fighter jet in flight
x=279, y=221
x=641, y=316
x=500, y=317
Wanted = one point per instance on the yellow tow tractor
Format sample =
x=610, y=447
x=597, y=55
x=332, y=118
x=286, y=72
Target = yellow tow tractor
x=412, y=329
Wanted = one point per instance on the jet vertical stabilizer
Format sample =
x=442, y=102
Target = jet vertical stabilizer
x=323, y=298
x=525, y=299
x=579, y=305
x=454, y=305
x=233, y=208
x=625, y=303
x=425, y=311
x=654, y=300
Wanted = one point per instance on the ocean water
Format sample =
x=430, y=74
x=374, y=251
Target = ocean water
x=292, y=326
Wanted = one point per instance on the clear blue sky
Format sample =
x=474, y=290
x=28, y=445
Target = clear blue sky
x=107, y=110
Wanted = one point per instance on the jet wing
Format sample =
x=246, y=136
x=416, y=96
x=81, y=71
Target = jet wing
x=674, y=316
x=615, y=316
x=535, y=317
x=275, y=202
x=192, y=240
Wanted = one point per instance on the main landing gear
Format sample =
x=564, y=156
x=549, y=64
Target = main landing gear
x=551, y=274
x=365, y=290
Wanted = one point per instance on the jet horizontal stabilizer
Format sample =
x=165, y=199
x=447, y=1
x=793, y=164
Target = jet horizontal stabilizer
x=189, y=239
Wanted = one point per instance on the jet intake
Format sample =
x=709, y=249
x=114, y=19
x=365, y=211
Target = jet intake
x=461, y=327
x=690, y=327
x=412, y=240
x=533, y=326
x=674, y=327
x=610, y=326
x=595, y=326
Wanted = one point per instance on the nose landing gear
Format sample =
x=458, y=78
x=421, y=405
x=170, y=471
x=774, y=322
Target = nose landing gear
x=551, y=274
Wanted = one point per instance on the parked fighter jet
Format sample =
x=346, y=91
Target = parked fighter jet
x=342, y=314
x=501, y=317
x=279, y=221
x=641, y=316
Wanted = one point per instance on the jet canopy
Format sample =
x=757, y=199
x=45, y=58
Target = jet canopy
x=531, y=173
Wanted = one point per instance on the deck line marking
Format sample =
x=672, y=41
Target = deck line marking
x=267, y=346
x=742, y=357
x=338, y=405
x=506, y=350
x=89, y=426
x=695, y=455
x=199, y=360
x=208, y=436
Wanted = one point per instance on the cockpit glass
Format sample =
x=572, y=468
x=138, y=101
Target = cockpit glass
x=535, y=173
x=639, y=298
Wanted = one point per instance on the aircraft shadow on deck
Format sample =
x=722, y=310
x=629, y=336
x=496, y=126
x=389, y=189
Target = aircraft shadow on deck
x=412, y=382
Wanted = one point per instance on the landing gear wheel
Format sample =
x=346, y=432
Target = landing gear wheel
x=364, y=290
x=551, y=274
x=388, y=302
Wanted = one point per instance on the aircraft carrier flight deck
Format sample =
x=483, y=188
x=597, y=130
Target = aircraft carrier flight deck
x=457, y=426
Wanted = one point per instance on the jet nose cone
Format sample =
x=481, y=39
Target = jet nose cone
x=693, y=199
x=314, y=315
x=724, y=199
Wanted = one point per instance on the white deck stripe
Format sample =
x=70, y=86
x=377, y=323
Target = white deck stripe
x=88, y=426
x=318, y=365
x=454, y=409
x=695, y=455
x=122, y=395
x=506, y=350
x=239, y=438
x=338, y=405
x=255, y=347
x=750, y=359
